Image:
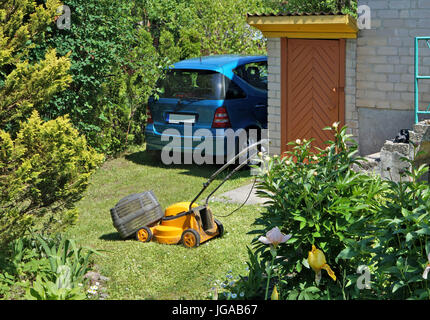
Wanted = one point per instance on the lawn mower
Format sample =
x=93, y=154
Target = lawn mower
x=182, y=222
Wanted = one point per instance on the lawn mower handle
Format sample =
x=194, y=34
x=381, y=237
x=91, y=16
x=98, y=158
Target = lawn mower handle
x=214, y=175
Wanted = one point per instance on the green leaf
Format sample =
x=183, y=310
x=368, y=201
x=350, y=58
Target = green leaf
x=298, y=266
x=398, y=285
x=425, y=230
x=302, y=225
x=347, y=253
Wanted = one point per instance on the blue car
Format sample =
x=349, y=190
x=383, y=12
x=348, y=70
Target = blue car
x=206, y=99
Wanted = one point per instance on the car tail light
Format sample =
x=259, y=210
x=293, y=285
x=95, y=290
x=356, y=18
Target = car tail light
x=221, y=119
x=149, y=116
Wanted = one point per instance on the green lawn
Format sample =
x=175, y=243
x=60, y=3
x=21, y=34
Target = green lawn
x=151, y=270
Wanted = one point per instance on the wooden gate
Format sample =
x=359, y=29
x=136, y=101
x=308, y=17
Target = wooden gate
x=312, y=83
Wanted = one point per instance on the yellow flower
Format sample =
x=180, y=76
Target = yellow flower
x=317, y=261
x=275, y=294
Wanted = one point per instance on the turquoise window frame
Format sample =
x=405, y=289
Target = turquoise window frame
x=419, y=77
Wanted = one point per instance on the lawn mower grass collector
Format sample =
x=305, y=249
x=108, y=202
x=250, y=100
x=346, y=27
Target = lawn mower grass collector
x=183, y=222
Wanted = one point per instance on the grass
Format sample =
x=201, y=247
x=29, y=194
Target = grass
x=152, y=270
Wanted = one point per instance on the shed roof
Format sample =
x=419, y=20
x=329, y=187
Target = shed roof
x=316, y=25
x=291, y=14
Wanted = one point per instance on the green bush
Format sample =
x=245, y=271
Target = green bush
x=344, y=220
x=43, y=173
x=321, y=201
x=311, y=6
x=401, y=238
x=29, y=77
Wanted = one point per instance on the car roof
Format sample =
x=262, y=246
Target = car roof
x=221, y=63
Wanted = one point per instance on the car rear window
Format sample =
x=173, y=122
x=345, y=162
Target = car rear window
x=192, y=84
x=254, y=73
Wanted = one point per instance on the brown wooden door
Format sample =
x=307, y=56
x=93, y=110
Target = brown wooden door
x=314, y=89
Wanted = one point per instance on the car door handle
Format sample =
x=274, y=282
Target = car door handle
x=260, y=106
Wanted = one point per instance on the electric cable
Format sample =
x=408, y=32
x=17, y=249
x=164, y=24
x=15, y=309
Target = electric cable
x=247, y=198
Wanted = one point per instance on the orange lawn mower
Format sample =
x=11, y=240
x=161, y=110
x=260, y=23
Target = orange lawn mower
x=183, y=222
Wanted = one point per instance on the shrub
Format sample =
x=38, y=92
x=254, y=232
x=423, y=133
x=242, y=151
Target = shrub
x=401, y=238
x=344, y=6
x=29, y=77
x=43, y=173
x=341, y=221
x=317, y=198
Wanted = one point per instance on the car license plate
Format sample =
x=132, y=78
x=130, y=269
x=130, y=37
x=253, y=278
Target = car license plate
x=181, y=118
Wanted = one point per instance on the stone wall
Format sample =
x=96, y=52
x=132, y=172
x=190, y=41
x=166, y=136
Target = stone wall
x=392, y=155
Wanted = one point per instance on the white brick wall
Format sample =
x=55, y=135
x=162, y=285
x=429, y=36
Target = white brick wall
x=351, y=113
x=274, y=94
x=385, y=63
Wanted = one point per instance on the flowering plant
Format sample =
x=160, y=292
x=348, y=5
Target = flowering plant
x=315, y=196
x=350, y=220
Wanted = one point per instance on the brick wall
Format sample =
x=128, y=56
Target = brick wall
x=274, y=94
x=385, y=68
x=351, y=112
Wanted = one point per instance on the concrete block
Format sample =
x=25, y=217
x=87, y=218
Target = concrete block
x=386, y=13
x=385, y=86
x=392, y=163
x=387, y=51
x=400, y=4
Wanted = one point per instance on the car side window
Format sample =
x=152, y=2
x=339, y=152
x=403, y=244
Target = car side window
x=233, y=91
x=254, y=73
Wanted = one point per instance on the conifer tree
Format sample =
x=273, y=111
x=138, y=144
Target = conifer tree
x=26, y=83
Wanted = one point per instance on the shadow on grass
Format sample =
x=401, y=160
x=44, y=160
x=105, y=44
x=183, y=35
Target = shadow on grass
x=113, y=236
x=205, y=171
